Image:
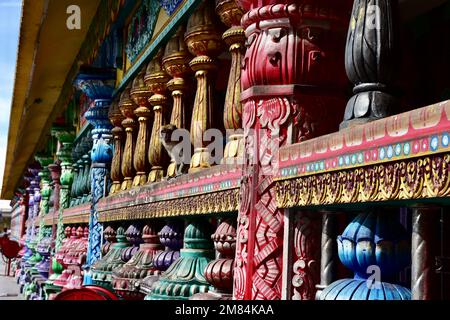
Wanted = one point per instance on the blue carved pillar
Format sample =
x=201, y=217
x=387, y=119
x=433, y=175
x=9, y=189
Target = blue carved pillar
x=98, y=85
x=101, y=157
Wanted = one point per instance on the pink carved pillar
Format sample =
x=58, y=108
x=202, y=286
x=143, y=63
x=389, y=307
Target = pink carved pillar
x=293, y=82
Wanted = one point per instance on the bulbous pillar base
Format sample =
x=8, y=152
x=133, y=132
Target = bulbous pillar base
x=156, y=174
x=127, y=184
x=200, y=160
x=234, y=150
x=115, y=187
x=140, y=179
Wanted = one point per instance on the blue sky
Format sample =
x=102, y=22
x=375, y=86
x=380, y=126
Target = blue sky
x=10, y=11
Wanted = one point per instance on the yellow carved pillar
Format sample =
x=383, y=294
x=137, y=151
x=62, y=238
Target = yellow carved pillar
x=140, y=94
x=176, y=63
x=127, y=108
x=156, y=79
x=116, y=118
x=234, y=37
x=204, y=41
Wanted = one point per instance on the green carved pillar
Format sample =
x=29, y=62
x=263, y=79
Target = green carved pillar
x=186, y=276
x=46, y=191
x=65, y=156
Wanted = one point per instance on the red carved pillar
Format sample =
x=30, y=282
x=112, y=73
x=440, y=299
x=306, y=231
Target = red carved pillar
x=293, y=82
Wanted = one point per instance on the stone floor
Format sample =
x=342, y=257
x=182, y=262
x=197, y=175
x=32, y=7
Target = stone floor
x=9, y=290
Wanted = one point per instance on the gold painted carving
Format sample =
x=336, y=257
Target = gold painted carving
x=116, y=118
x=140, y=94
x=156, y=79
x=204, y=41
x=127, y=108
x=217, y=202
x=427, y=177
x=176, y=63
x=230, y=14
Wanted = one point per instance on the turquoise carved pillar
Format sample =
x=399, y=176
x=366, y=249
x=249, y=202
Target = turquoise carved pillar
x=98, y=85
x=101, y=157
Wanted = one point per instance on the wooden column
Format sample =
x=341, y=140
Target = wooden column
x=204, y=41
x=116, y=118
x=230, y=14
x=423, y=274
x=55, y=171
x=370, y=61
x=127, y=107
x=176, y=63
x=140, y=95
x=156, y=79
x=328, y=257
x=292, y=90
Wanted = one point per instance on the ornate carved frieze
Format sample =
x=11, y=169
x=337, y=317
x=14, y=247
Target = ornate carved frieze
x=213, y=190
x=417, y=133
x=218, y=202
x=409, y=161
x=417, y=178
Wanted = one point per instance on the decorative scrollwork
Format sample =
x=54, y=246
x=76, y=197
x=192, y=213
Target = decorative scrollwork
x=427, y=177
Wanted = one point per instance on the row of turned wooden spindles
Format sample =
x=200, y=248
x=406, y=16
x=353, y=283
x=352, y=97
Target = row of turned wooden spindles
x=139, y=156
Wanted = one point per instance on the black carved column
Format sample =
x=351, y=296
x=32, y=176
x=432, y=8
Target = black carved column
x=328, y=259
x=370, y=61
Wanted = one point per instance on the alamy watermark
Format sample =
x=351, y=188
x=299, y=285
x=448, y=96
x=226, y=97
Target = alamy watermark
x=73, y=21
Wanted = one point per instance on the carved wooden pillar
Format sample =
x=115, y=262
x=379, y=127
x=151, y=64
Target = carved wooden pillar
x=65, y=156
x=35, y=185
x=231, y=15
x=101, y=158
x=370, y=61
x=55, y=172
x=46, y=192
x=219, y=272
x=204, y=41
x=86, y=186
x=156, y=79
x=116, y=118
x=423, y=274
x=293, y=90
x=127, y=108
x=140, y=94
x=328, y=256
x=80, y=179
x=73, y=187
x=176, y=63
